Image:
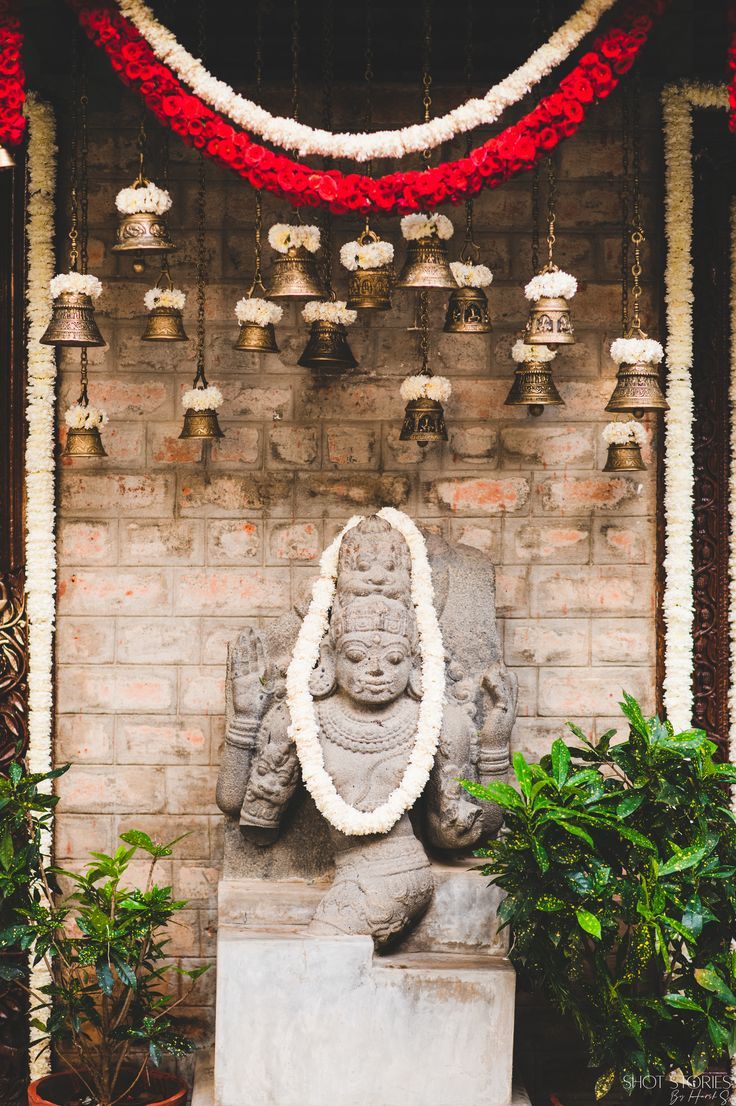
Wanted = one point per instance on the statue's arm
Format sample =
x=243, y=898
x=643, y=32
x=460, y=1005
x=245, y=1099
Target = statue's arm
x=500, y=688
x=272, y=781
x=453, y=819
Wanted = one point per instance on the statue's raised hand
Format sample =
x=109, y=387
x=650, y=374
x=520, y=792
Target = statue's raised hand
x=250, y=692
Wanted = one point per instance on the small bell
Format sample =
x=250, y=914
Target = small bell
x=164, y=324
x=550, y=323
x=534, y=387
x=295, y=276
x=426, y=265
x=370, y=289
x=143, y=230
x=467, y=312
x=84, y=441
x=637, y=390
x=624, y=457
x=327, y=347
x=72, y=322
x=424, y=422
x=7, y=160
x=201, y=424
x=254, y=338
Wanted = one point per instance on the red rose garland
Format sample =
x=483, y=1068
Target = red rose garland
x=514, y=150
x=732, y=68
x=12, y=77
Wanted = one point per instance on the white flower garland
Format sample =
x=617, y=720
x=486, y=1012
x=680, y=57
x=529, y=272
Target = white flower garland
x=426, y=226
x=523, y=353
x=40, y=542
x=329, y=311
x=621, y=433
x=148, y=198
x=555, y=283
x=81, y=417
x=420, y=386
x=202, y=399
x=288, y=134
x=165, y=297
x=259, y=311
x=678, y=102
x=471, y=276
x=304, y=727
x=636, y=351
x=286, y=236
x=84, y=284
x=366, y=255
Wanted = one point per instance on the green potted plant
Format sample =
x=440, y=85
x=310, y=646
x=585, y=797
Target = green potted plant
x=619, y=867
x=107, y=1009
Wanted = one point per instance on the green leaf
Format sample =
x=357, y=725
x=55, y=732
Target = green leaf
x=523, y=773
x=630, y=803
x=682, y=1002
x=576, y=831
x=560, y=762
x=685, y=858
x=604, y=1083
x=709, y=980
x=104, y=976
x=138, y=839
x=632, y=710
x=495, y=792
x=15, y=771
x=589, y=923
x=6, y=850
x=718, y=1034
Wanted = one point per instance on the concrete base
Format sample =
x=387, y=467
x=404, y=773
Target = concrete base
x=315, y=1020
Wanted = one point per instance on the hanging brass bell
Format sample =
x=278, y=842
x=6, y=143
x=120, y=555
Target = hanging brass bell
x=370, y=289
x=637, y=390
x=84, y=442
x=255, y=338
x=534, y=387
x=424, y=422
x=72, y=322
x=426, y=265
x=143, y=230
x=201, y=424
x=467, y=312
x=550, y=323
x=7, y=161
x=327, y=347
x=624, y=457
x=164, y=324
x=295, y=276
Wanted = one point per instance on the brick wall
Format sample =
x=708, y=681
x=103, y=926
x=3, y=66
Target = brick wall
x=163, y=561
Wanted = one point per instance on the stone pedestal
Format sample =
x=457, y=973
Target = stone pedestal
x=306, y=1019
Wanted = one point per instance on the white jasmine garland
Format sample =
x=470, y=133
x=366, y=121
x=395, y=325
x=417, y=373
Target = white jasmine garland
x=522, y=353
x=555, y=283
x=286, y=236
x=426, y=226
x=621, y=433
x=147, y=198
x=304, y=727
x=81, y=417
x=80, y=283
x=636, y=351
x=40, y=537
x=258, y=311
x=471, y=276
x=328, y=311
x=366, y=255
x=165, y=297
x=288, y=134
x=202, y=399
x=421, y=386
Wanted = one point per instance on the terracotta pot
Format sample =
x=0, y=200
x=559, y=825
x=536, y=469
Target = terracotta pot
x=56, y=1090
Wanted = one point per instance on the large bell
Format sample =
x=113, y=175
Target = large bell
x=84, y=441
x=295, y=276
x=426, y=265
x=534, y=387
x=143, y=230
x=201, y=424
x=254, y=338
x=164, y=324
x=7, y=160
x=467, y=312
x=624, y=457
x=424, y=422
x=370, y=289
x=327, y=347
x=637, y=390
x=550, y=323
x=72, y=322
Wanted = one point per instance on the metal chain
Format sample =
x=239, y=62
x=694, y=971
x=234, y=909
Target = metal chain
x=83, y=167
x=426, y=72
x=295, y=59
x=83, y=378
x=328, y=27
x=625, y=205
x=141, y=143
x=74, y=167
x=424, y=331
x=551, y=202
x=368, y=75
x=258, y=225
x=470, y=247
x=637, y=234
x=200, y=379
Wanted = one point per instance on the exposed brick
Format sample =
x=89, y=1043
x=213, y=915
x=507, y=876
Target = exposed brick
x=103, y=591
x=534, y=736
x=203, y=689
x=91, y=542
x=231, y=591
x=217, y=633
x=546, y=541
x=623, y=541
x=230, y=494
x=93, y=790
x=181, y=740
x=194, y=831
x=479, y=495
x=86, y=640
x=475, y=444
x=623, y=641
x=322, y=493
x=240, y=446
x=351, y=445
x=546, y=641
x=233, y=541
x=591, y=589
x=105, y=688
x=94, y=493
x=191, y=790
x=77, y=835
x=592, y=691
x=512, y=590
x=244, y=401
x=293, y=446
x=295, y=541
x=127, y=397
x=157, y=641
x=577, y=495
x=196, y=881
x=485, y=534
x=163, y=542
x=124, y=442
x=87, y=738
x=546, y=447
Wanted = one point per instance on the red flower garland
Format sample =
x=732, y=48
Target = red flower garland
x=12, y=77
x=732, y=68
x=515, y=149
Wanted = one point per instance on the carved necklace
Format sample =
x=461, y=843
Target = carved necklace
x=357, y=734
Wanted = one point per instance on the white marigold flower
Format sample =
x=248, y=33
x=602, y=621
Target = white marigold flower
x=471, y=276
x=149, y=199
x=421, y=386
x=81, y=417
x=328, y=312
x=366, y=255
x=285, y=236
x=165, y=297
x=202, y=399
x=522, y=352
x=258, y=311
x=556, y=284
x=622, y=433
x=636, y=351
x=424, y=226
x=84, y=284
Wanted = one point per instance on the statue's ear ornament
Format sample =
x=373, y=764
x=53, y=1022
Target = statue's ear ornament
x=414, y=687
x=323, y=679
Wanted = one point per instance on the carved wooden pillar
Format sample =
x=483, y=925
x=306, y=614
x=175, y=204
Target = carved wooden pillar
x=13, y=638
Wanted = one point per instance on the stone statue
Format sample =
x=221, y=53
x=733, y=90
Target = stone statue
x=367, y=688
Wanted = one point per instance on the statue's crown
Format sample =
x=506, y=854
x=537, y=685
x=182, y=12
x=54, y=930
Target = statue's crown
x=371, y=613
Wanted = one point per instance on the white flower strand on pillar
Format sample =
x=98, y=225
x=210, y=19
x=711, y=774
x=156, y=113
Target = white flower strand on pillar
x=40, y=466
x=678, y=103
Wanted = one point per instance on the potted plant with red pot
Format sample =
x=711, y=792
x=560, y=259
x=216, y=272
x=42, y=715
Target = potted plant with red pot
x=108, y=1006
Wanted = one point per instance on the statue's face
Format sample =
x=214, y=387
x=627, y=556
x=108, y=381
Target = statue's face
x=373, y=667
x=375, y=564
